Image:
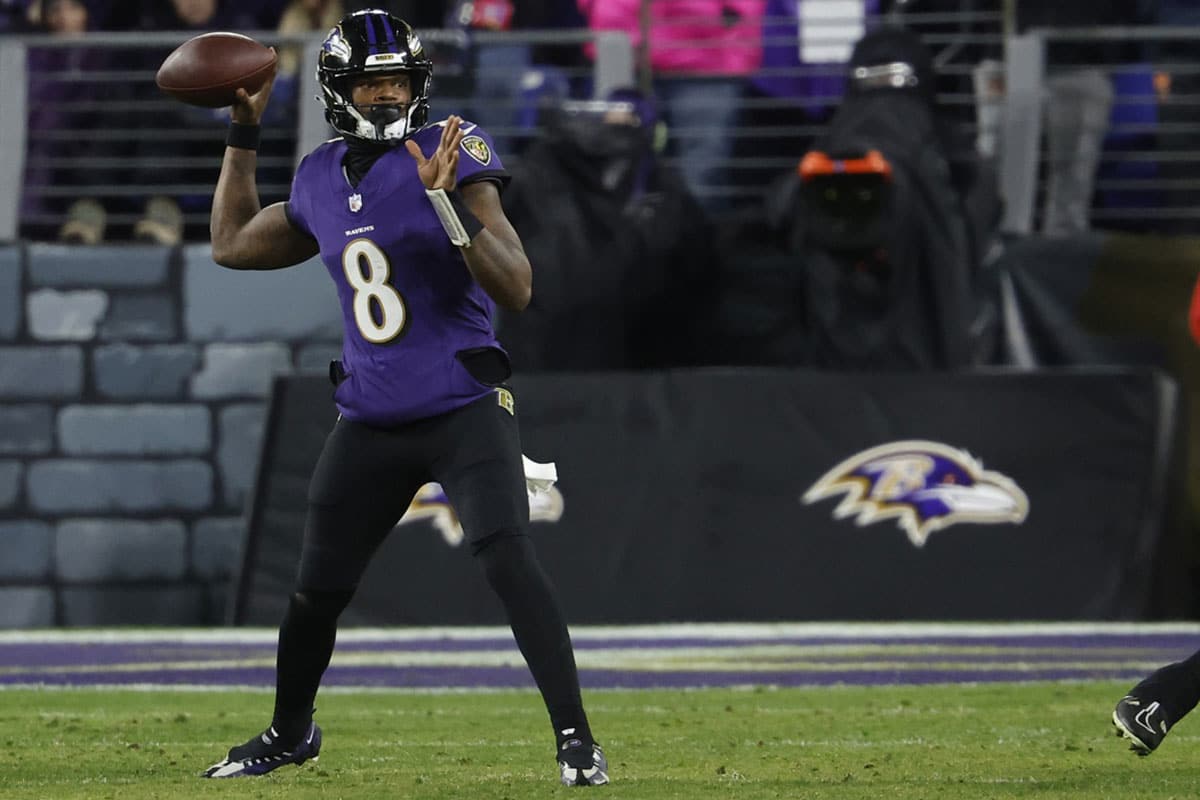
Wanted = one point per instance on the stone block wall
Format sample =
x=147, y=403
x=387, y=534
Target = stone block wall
x=133, y=386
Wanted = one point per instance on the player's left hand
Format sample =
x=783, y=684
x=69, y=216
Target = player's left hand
x=440, y=170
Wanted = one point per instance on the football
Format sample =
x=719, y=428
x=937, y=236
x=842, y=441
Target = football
x=207, y=70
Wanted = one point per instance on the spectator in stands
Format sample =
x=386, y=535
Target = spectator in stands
x=242, y=15
x=199, y=15
x=267, y=13
x=418, y=13
x=960, y=34
x=54, y=74
x=806, y=44
x=501, y=70
x=95, y=216
x=615, y=235
x=300, y=17
x=1078, y=101
x=865, y=256
x=700, y=52
x=805, y=49
x=14, y=16
x=167, y=164
x=1177, y=85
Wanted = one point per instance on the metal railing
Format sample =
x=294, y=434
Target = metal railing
x=1147, y=175
x=126, y=141
x=83, y=119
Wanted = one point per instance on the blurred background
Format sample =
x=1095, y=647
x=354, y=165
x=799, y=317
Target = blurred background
x=768, y=237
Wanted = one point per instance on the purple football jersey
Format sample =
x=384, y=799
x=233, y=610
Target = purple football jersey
x=409, y=303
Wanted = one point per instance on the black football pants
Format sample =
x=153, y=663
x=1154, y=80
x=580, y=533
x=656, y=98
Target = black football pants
x=366, y=477
x=362, y=484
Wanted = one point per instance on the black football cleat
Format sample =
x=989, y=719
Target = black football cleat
x=581, y=764
x=265, y=753
x=1142, y=722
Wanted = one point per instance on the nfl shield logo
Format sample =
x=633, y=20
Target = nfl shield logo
x=356, y=202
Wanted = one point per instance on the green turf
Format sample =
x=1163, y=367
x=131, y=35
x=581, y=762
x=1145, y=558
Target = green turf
x=1043, y=741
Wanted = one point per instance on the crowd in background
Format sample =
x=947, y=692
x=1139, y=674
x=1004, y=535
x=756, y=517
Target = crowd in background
x=658, y=251
x=266, y=15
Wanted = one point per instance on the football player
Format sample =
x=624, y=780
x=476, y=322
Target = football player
x=406, y=216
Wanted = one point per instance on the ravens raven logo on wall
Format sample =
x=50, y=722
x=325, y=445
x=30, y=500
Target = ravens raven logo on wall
x=431, y=503
x=925, y=486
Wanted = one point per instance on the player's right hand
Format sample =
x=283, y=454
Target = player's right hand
x=247, y=109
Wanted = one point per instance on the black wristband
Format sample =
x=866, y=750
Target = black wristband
x=470, y=222
x=242, y=136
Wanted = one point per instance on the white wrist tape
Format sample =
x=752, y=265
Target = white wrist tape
x=448, y=217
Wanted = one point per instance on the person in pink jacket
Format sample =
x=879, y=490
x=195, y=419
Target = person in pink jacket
x=700, y=52
x=695, y=37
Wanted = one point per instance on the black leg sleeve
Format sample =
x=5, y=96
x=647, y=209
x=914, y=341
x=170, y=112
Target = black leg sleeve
x=539, y=627
x=1176, y=686
x=306, y=639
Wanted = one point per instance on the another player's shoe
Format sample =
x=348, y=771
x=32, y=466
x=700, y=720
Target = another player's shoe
x=264, y=753
x=1142, y=722
x=581, y=764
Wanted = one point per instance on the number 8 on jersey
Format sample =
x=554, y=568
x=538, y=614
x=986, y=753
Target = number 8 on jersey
x=383, y=320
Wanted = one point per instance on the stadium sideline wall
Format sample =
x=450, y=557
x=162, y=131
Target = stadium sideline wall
x=133, y=383
x=133, y=390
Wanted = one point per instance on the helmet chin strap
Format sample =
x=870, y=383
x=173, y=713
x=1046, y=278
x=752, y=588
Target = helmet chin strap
x=382, y=123
x=383, y=116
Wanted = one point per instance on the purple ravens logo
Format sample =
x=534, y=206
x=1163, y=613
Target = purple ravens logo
x=336, y=47
x=924, y=486
x=477, y=149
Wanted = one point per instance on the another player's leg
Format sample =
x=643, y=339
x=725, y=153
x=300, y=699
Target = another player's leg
x=348, y=517
x=486, y=486
x=1147, y=713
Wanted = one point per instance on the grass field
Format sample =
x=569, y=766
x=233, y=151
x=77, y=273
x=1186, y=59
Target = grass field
x=1028, y=740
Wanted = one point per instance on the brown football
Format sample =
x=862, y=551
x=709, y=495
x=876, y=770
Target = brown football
x=207, y=70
